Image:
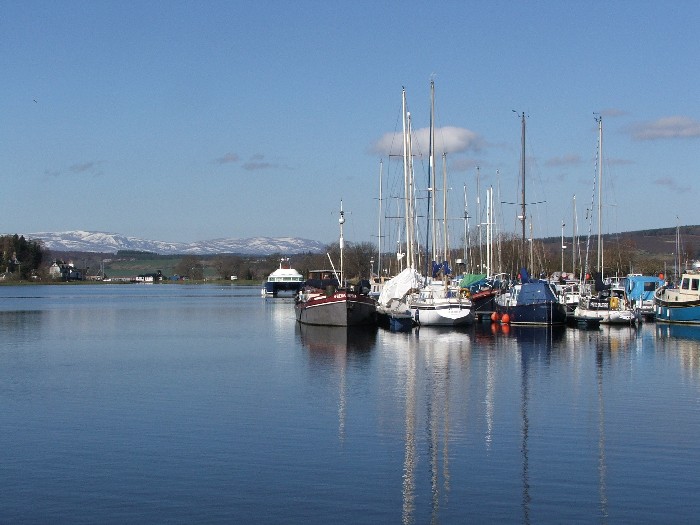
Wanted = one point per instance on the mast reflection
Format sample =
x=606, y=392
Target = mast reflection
x=333, y=346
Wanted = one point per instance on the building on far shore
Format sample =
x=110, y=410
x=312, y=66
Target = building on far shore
x=66, y=271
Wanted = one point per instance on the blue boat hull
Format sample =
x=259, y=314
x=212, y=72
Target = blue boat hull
x=677, y=313
x=544, y=313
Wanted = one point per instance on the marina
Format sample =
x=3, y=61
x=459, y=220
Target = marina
x=206, y=403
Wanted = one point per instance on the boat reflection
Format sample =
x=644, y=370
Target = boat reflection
x=331, y=347
x=682, y=341
x=337, y=340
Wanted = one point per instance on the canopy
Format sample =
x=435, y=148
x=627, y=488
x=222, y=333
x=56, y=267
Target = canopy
x=470, y=279
x=397, y=287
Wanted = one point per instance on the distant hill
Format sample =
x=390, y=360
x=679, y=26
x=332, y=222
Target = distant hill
x=101, y=242
x=660, y=241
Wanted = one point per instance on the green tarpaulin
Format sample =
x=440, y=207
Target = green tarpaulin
x=470, y=279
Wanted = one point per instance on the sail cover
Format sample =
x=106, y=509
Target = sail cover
x=399, y=286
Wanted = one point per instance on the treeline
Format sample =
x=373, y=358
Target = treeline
x=21, y=259
x=357, y=262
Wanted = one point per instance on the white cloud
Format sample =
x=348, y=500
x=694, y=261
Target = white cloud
x=448, y=139
x=666, y=128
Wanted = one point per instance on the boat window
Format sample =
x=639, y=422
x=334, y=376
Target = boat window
x=650, y=286
x=685, y=285
x=694, y=284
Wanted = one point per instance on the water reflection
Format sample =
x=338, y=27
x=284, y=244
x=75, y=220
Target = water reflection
x=682, y=341
x=602, y=463
x=488, y=424
x=334, y=346
x=431, y=358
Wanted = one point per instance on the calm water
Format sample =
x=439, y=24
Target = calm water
x=184, y=404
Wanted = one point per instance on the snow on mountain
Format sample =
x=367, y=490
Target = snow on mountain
x=102, y=242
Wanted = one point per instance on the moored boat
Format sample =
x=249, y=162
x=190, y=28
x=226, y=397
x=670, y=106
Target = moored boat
x=324, y=301
x=607, y=303
x=679, y=304
x=437, y=304
x=532, y=301
x=640, y=291
x=283, y=279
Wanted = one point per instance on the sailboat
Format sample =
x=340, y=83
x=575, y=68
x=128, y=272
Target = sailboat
x=439, y=302
x=426, y=300
x=325, y=300
x=530, y=301
x=605, y=303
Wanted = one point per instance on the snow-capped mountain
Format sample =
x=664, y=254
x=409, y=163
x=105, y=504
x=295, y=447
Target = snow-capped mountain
x=102, y=242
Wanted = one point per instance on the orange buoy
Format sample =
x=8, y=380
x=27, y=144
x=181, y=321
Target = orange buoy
x=495, y=317
x=661, y=276
x=505, y=319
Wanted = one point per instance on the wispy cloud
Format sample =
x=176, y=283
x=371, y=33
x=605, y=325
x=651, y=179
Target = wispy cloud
x=449, y=139
x=613, y=112
x=255, y=166
x=80, y=168
x=671, y=184
x=257, y=162
x=666, y=128
x=565, y=160
x=83, y=167
x=227, y=158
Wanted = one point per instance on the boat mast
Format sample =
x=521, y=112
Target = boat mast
x=522, y=173
x=467, y=251
x=411, y=234
x=407, y=191
x=478, y=219
x=379, y=239
x=445, y=242
x=574, y=238
x=431, y=174
x=489, y=232
x=341, y=221
x=599, y=119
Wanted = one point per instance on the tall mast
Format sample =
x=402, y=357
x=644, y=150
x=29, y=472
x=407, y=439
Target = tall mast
x=379, y=240
x=411, y=234
x=599, y=119
x=466, y=233
x=341, y=221
x=431, y=254
x=574, y=238
x=431, y=170
x=489, y=232
x=407, y=191
x=478, y=219
x=522, y=173
x=444, y=206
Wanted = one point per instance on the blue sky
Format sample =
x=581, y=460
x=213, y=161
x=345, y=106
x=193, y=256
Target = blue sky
x=185, y=121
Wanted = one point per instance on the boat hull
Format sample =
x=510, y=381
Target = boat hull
x=449, y=314
x=679, y=304
x=483, y=302
x=624, y=317
x=686, y=312
x=337, y=309
x=544, y=313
